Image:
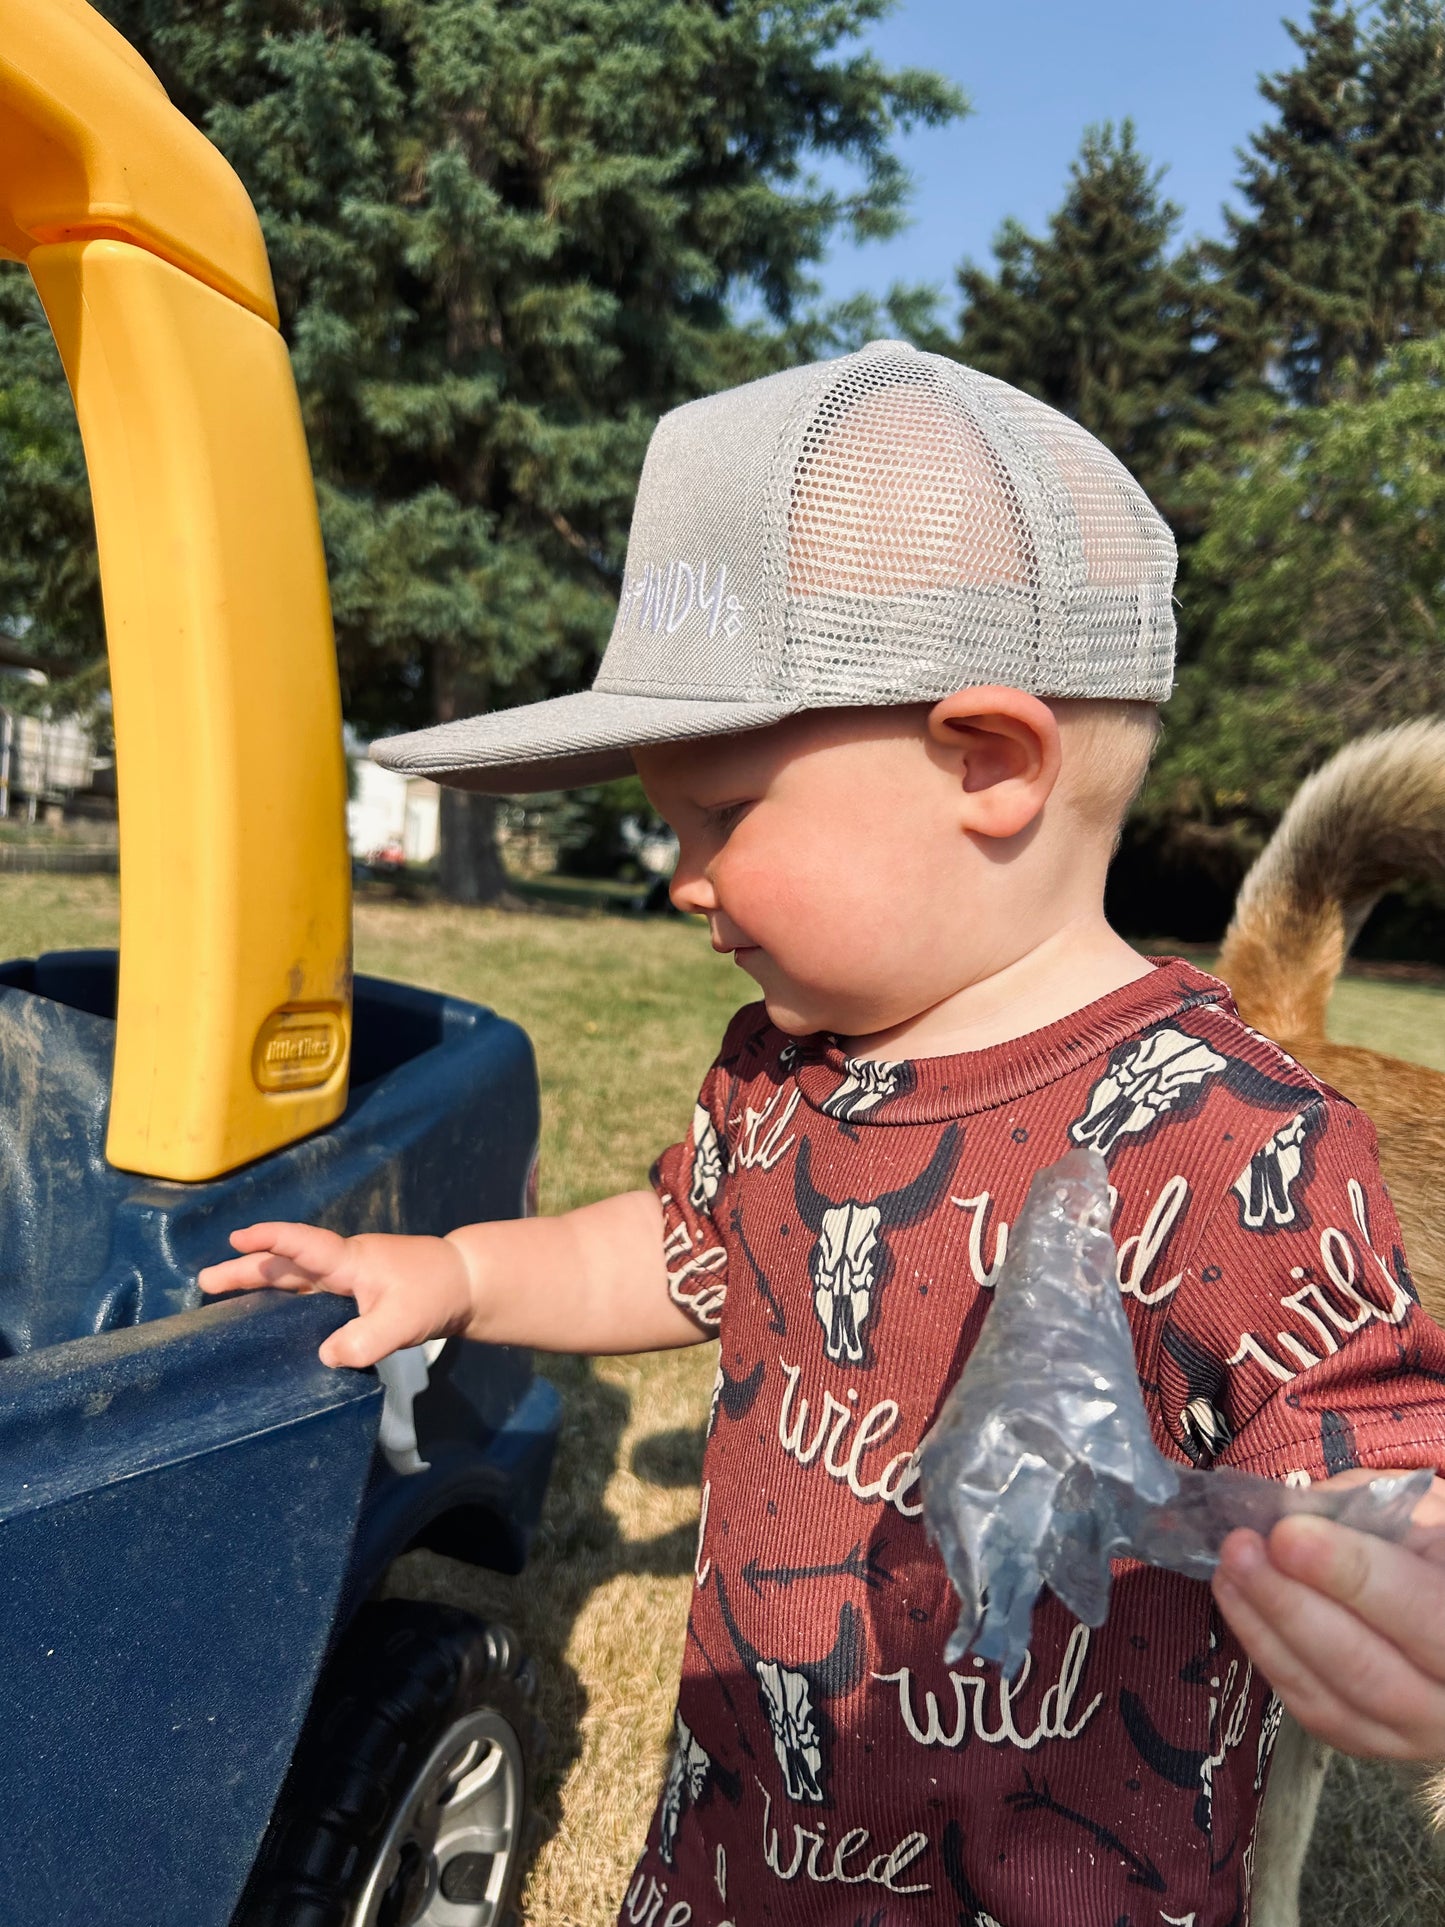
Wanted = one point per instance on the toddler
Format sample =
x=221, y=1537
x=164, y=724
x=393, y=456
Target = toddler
x=887, y=657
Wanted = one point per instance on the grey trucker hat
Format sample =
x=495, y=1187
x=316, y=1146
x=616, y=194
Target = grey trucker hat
x=883, y=528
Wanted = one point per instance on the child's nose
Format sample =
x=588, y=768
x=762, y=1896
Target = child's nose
x=691, y=889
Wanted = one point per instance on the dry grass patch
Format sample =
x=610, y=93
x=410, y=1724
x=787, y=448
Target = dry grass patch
x=602, y=1608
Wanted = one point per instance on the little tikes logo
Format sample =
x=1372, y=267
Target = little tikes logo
x=662, y=599
x=298, y=1047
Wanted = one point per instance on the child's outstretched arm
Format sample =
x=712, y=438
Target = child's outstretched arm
x=591, y=1280
x=1349, y=1631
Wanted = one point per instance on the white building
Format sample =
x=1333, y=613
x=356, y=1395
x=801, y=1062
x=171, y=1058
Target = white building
x=390, y=814
x=43, y=759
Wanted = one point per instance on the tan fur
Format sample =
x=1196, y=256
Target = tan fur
x=1373, y=816
x=1286, y=1821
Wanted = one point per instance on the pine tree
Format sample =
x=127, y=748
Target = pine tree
x=1093, y=317
x=1290, y=264
x=1325, y=552
x=506, y=235
x=1404, y=162
x=1308, y=608
x=49, y=590
x=1340, y=251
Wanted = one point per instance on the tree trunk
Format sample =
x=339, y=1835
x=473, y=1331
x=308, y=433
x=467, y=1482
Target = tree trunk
x=469, y=862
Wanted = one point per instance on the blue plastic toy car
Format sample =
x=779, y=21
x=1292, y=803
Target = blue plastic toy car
x=193, y=1510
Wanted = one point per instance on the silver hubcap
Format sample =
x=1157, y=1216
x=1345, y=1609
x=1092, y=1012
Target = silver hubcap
x=450, y=1848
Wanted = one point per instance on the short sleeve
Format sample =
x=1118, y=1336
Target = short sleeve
x=1294, y=1344
x=689, y=1179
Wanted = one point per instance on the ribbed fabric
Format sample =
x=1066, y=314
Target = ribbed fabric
x=838, y=1224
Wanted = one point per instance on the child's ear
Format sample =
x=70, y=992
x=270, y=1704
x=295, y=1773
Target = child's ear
x=1005, y=746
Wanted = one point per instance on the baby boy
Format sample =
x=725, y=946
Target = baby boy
x=888, y=655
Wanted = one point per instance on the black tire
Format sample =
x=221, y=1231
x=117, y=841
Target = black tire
x=420, y=1749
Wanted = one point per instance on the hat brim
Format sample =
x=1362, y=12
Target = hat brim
x=571, y=740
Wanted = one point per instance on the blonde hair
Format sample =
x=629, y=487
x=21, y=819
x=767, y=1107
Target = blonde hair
x=1107, y=748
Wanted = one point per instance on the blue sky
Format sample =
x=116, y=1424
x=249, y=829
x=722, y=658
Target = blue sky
x=1037, y=73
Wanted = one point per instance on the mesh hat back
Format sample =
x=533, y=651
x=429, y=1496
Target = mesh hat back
x=883, y=528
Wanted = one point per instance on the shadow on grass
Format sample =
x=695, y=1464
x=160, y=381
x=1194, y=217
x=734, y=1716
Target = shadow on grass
x=578, y=1549
x=672, y=1459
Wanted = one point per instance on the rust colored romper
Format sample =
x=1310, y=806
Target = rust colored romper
x=837, y=1224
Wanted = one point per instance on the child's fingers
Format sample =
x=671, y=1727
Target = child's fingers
x=1427, y=1521
x=289, y=1257
x=1396, y=1591
x=260, y=1237
x=1426, y=1533
x=1310, y=1698
x=254, y=1272
x=375, y=1335
x=310, y=1247
x=1326, y=1665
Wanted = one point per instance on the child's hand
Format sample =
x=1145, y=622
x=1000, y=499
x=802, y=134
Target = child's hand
x=407, y=1290
x=1348, y=1629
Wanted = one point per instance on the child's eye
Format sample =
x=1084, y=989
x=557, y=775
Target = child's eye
x=722, y=816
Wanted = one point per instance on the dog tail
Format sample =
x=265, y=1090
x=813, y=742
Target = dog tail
x=1372, y=817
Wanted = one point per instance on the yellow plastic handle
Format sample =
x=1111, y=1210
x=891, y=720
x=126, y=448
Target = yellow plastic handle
x=90, y=147
x=234, y=1019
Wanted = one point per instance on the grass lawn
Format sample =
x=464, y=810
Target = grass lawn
x=625, y=1016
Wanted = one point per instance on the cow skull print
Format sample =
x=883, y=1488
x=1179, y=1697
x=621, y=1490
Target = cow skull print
x=866, y=1085
x=850, y=1260
x=1147, y=1079
x=686, y=1776
x=707, y=1161
x=1205, y=1431
x=1265, y=1187
x=796, y=1739
x=792, y=1696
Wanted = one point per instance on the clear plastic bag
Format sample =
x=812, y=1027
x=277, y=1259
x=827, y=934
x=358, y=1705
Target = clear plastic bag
x=1041, y=1467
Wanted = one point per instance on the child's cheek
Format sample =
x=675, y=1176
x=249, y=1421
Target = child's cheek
x=764, y=894
x=783, y=881
x=810, y=919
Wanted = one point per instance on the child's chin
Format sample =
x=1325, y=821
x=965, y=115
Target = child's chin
x=794, y=1018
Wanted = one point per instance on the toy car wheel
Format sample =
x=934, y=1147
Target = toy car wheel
x=408, y=1800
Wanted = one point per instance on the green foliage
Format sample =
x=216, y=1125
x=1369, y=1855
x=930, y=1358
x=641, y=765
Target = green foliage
x=1340, y=252
x=506, y=234
x=585, y=826
x=1093, y=317
x=1318, y=587
x=1282, y=396
x=49, y=589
